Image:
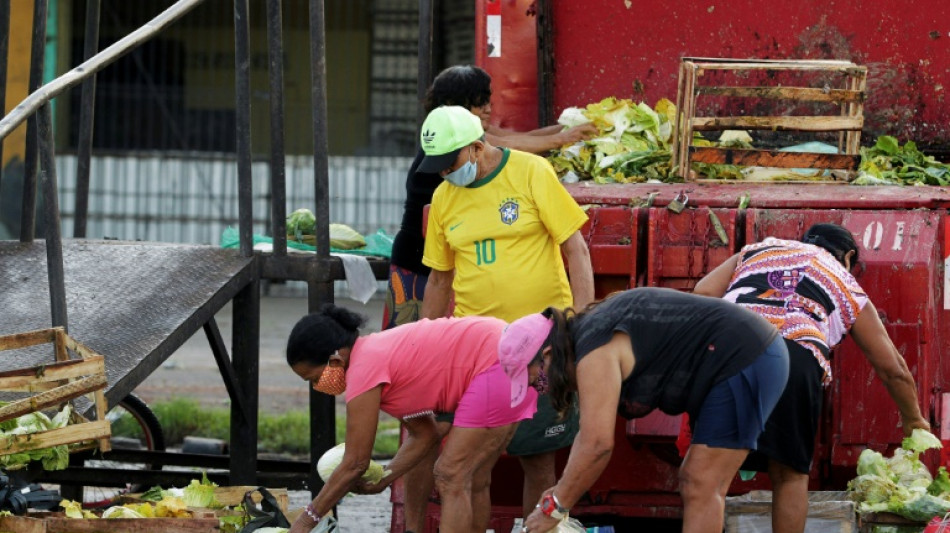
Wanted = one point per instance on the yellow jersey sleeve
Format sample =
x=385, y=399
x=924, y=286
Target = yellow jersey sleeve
x=557, y=210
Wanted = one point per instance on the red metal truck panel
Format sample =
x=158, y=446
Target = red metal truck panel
x=765, y=195
x=686, y=246
x=505, y=46
x=632, y=50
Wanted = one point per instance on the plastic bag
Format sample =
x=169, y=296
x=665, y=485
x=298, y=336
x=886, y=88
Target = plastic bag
x=269, y=515
x=569, y=525
x=327, y=525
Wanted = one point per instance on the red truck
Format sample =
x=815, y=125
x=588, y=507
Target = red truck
x=590, y=50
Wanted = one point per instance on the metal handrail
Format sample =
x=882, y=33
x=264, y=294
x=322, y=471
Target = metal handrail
x=32, y=103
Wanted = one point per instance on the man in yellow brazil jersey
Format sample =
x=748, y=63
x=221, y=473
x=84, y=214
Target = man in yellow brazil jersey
x=498, y=226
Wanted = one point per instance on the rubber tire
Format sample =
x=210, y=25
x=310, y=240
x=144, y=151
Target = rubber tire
x=147, y=420
x=153, y=435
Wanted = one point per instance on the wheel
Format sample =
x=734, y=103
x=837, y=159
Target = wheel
x=134, y=426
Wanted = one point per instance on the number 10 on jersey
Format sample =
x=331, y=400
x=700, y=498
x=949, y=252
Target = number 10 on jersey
x=485, y=251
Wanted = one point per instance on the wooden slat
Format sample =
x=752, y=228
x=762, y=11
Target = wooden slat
x=29, y=338
x=770, y=158
x=52, y=397
x=11, y=380
x=22, y=524
x=61, y=337
x=81, y=349
x=828, y=123
x=54, y=437
x=133, y=525
x=843, y=67
x=734, y=61
x=806, y=94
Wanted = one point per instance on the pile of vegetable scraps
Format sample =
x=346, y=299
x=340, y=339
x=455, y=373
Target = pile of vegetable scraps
x=902, y=484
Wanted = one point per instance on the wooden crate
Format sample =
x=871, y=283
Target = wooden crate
x=848, y=125
x=51, y=385
x=888, y=523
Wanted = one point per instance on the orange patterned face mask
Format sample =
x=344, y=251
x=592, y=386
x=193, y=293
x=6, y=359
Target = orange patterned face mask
x=332, y=381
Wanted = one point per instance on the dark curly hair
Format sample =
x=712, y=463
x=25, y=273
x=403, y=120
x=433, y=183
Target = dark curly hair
x=318, y=335
x=837, y=240
x=462, y=85
x=562, y=382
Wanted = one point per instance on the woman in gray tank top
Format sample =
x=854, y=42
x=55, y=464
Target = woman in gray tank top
x=646, y=349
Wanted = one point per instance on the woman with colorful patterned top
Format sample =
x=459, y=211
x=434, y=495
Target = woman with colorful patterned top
x=807, y=291
x=412, y=372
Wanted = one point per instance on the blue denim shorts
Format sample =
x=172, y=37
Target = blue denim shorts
x=735, y=410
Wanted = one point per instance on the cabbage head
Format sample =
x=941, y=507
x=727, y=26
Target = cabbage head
x=875, y=489
x=873, y=463
x=301, y=222
x=343, y=237
x=332, y=458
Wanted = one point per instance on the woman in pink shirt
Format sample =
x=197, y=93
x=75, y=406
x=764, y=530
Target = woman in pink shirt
x=412, y=372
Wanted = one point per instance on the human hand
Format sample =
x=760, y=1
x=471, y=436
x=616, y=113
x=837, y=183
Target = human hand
x=579, y=133
x=912, y=423
x=365, y=487
x=303, y=524
x=538, y=522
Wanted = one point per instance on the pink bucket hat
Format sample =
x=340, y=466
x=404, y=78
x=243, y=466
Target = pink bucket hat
x=518, y=346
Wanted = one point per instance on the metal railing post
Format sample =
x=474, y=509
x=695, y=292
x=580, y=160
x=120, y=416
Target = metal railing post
x=37, y=58
x=4, y=51
x=242, y=91
x=247, y=305
x=320, y=290
x=87, y=117
x=54, y=237
x=278, y=184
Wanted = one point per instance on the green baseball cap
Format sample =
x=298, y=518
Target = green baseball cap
x=445, y=132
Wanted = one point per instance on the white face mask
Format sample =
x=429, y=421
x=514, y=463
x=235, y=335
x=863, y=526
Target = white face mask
x=464, y=175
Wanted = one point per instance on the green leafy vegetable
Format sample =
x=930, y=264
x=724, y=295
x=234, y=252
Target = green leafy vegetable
x=921, y=440
x=941, y=484
x=153, y=494
x=902, y=484
x=301, y=222
x=52, y=458
x=887, y=162
x=201, y=493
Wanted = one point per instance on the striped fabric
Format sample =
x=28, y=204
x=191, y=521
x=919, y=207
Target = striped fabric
x=802, y=290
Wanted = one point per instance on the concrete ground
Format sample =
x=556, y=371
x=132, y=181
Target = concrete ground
x=192, y=372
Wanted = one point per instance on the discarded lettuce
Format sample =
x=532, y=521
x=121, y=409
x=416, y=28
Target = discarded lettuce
x=200, y=493
x=889, y=162
x=52, y=458
x=119, y=511
x=902, y=484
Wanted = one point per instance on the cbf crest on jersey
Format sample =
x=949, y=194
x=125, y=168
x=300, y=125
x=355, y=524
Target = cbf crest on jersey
x=509, y=211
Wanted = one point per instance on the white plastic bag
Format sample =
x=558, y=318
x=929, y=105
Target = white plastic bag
x=568, y=525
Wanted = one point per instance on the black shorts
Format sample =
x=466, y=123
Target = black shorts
x=790, y=432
